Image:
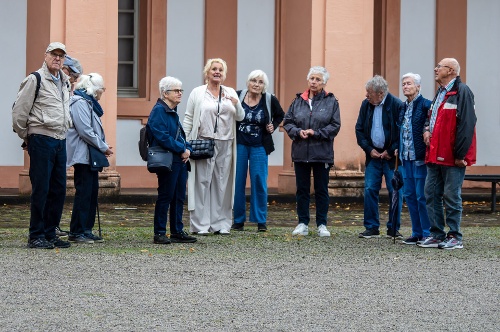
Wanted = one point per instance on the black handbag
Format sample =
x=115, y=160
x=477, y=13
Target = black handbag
x=159, y=159
x=205, y=148
x=202, y=148
x=97, y=159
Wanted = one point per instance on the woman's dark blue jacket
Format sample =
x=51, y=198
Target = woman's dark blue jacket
x=419, y=115
x=162, y=128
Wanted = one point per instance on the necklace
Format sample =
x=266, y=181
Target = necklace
x=254, y=106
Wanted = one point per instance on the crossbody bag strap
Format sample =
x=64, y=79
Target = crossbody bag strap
x=218, y=110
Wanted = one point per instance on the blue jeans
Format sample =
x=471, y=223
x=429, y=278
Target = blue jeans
x=85, y=203
x=256, y=157
x=374, y=171
x=321, y=174
x=171, y=193
x=444, y=184
x=48, y=184
x=413, y=193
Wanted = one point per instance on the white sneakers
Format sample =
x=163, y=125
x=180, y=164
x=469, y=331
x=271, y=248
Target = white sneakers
x=322, y=231
x=303, y=229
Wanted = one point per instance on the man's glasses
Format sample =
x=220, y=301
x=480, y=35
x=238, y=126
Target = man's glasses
x=60, y=55
x=176, y=90
x=439, y=66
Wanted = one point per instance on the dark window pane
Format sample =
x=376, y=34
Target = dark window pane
x=126, y=24
x=125, y=76
x=125, y=4
x=125, y=49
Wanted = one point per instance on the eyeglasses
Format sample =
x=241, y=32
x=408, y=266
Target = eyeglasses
x=254, y=81
x=439, y=66
x=60, y=55
x=176, y=90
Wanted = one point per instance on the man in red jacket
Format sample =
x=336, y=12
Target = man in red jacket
x=450, y=136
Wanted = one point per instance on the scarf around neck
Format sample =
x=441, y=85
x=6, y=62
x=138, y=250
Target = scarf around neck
x=95, y=104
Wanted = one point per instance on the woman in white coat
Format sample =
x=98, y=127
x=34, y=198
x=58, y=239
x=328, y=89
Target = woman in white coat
x=212, y=112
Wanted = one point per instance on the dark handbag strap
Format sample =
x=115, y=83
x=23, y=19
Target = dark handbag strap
x=218, y=109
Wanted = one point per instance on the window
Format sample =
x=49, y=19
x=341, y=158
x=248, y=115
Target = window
x=128, y=27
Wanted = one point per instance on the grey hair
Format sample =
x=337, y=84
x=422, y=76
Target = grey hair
x=167, y=83
x=456, y=66
x=416, y=78
x=256, y=74
x=90, y=83
x=321, y=71
x=377, y=84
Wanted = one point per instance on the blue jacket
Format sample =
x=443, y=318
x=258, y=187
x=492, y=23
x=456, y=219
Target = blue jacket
x=419, y=116
x=390, y=118
x=162, y=128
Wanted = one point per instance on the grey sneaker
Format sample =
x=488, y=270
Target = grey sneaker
x=369, y=233
x=451, y=243
x=422, y=240
x=79, y=238
x=60, y=232
x=430, y=242
x=301, y=229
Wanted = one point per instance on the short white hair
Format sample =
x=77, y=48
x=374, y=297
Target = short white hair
x=256, y=74
x=416, y=78
x=321, y=71
x=90, y=83
x=167, y=83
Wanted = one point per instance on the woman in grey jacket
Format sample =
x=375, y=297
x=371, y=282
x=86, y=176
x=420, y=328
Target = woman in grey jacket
x=87, y=130
x=312, y=122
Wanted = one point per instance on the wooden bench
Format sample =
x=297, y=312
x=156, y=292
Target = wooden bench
x=493, y=178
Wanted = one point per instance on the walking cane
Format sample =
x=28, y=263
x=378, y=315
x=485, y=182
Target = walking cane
x=98, y=220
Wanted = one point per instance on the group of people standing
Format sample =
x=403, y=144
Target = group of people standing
x=58, y=116
x=59, y=120
x=434, y=140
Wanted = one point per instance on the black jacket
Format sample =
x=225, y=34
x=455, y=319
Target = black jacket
x=390, y=117
x=419, y=116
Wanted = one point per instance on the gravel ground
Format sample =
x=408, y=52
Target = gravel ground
x=250, y=282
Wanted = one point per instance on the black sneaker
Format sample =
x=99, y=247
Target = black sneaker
x=412, y=240
x=161, y=239
x=40, y=244
x=182, y=237
x=58, y=243
x=397, y=235
x=60, y=232
x=93, y=237
x=261, y=227
x=369, y=233
x=80, y=238
x=238, y=226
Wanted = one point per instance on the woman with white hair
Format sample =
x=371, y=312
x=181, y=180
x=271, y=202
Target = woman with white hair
x=312, y=122
x=211, y=113
x=412, y=153
x=263, y=114
x=87, y=130
x=164, y=129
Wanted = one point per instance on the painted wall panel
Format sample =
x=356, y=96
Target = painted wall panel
x=185, y=45
x=127, y=137
x=417, y=51
x=483, y=71
x=13, y=18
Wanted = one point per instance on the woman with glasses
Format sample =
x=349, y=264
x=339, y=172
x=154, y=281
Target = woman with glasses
x=312, y=122
x=164, y=129
x=211, y=113
x=87, y=130
x=73, y=69
x=263, y=114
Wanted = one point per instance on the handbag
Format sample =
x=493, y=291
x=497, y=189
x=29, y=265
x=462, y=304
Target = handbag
x=159, y=159
x=205, y=148
x=97, y=159
x=202, y=148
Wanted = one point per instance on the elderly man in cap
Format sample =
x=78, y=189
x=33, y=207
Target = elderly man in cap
x=42, y=122
x=73, y=69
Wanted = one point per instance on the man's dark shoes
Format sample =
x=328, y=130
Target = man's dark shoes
x=412, y=240
x=261, y=227
x=238, y=226
x=93, y=237
x=58, y=243
x=161, y=239
x=60, y=232
x=391, y=235
x=40, y=244
x=182, y=237
x=79, y=238
x=369, y=233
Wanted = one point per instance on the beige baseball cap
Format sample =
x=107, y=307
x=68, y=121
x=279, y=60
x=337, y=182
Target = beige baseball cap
x=56, y=46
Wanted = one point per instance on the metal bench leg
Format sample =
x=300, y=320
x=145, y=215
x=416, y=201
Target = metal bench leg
x=493, y=196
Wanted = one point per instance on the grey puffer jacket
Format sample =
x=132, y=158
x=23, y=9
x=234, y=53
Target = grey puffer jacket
x=323, y=118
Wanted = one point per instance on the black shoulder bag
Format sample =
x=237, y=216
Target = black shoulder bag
x=205, y=148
